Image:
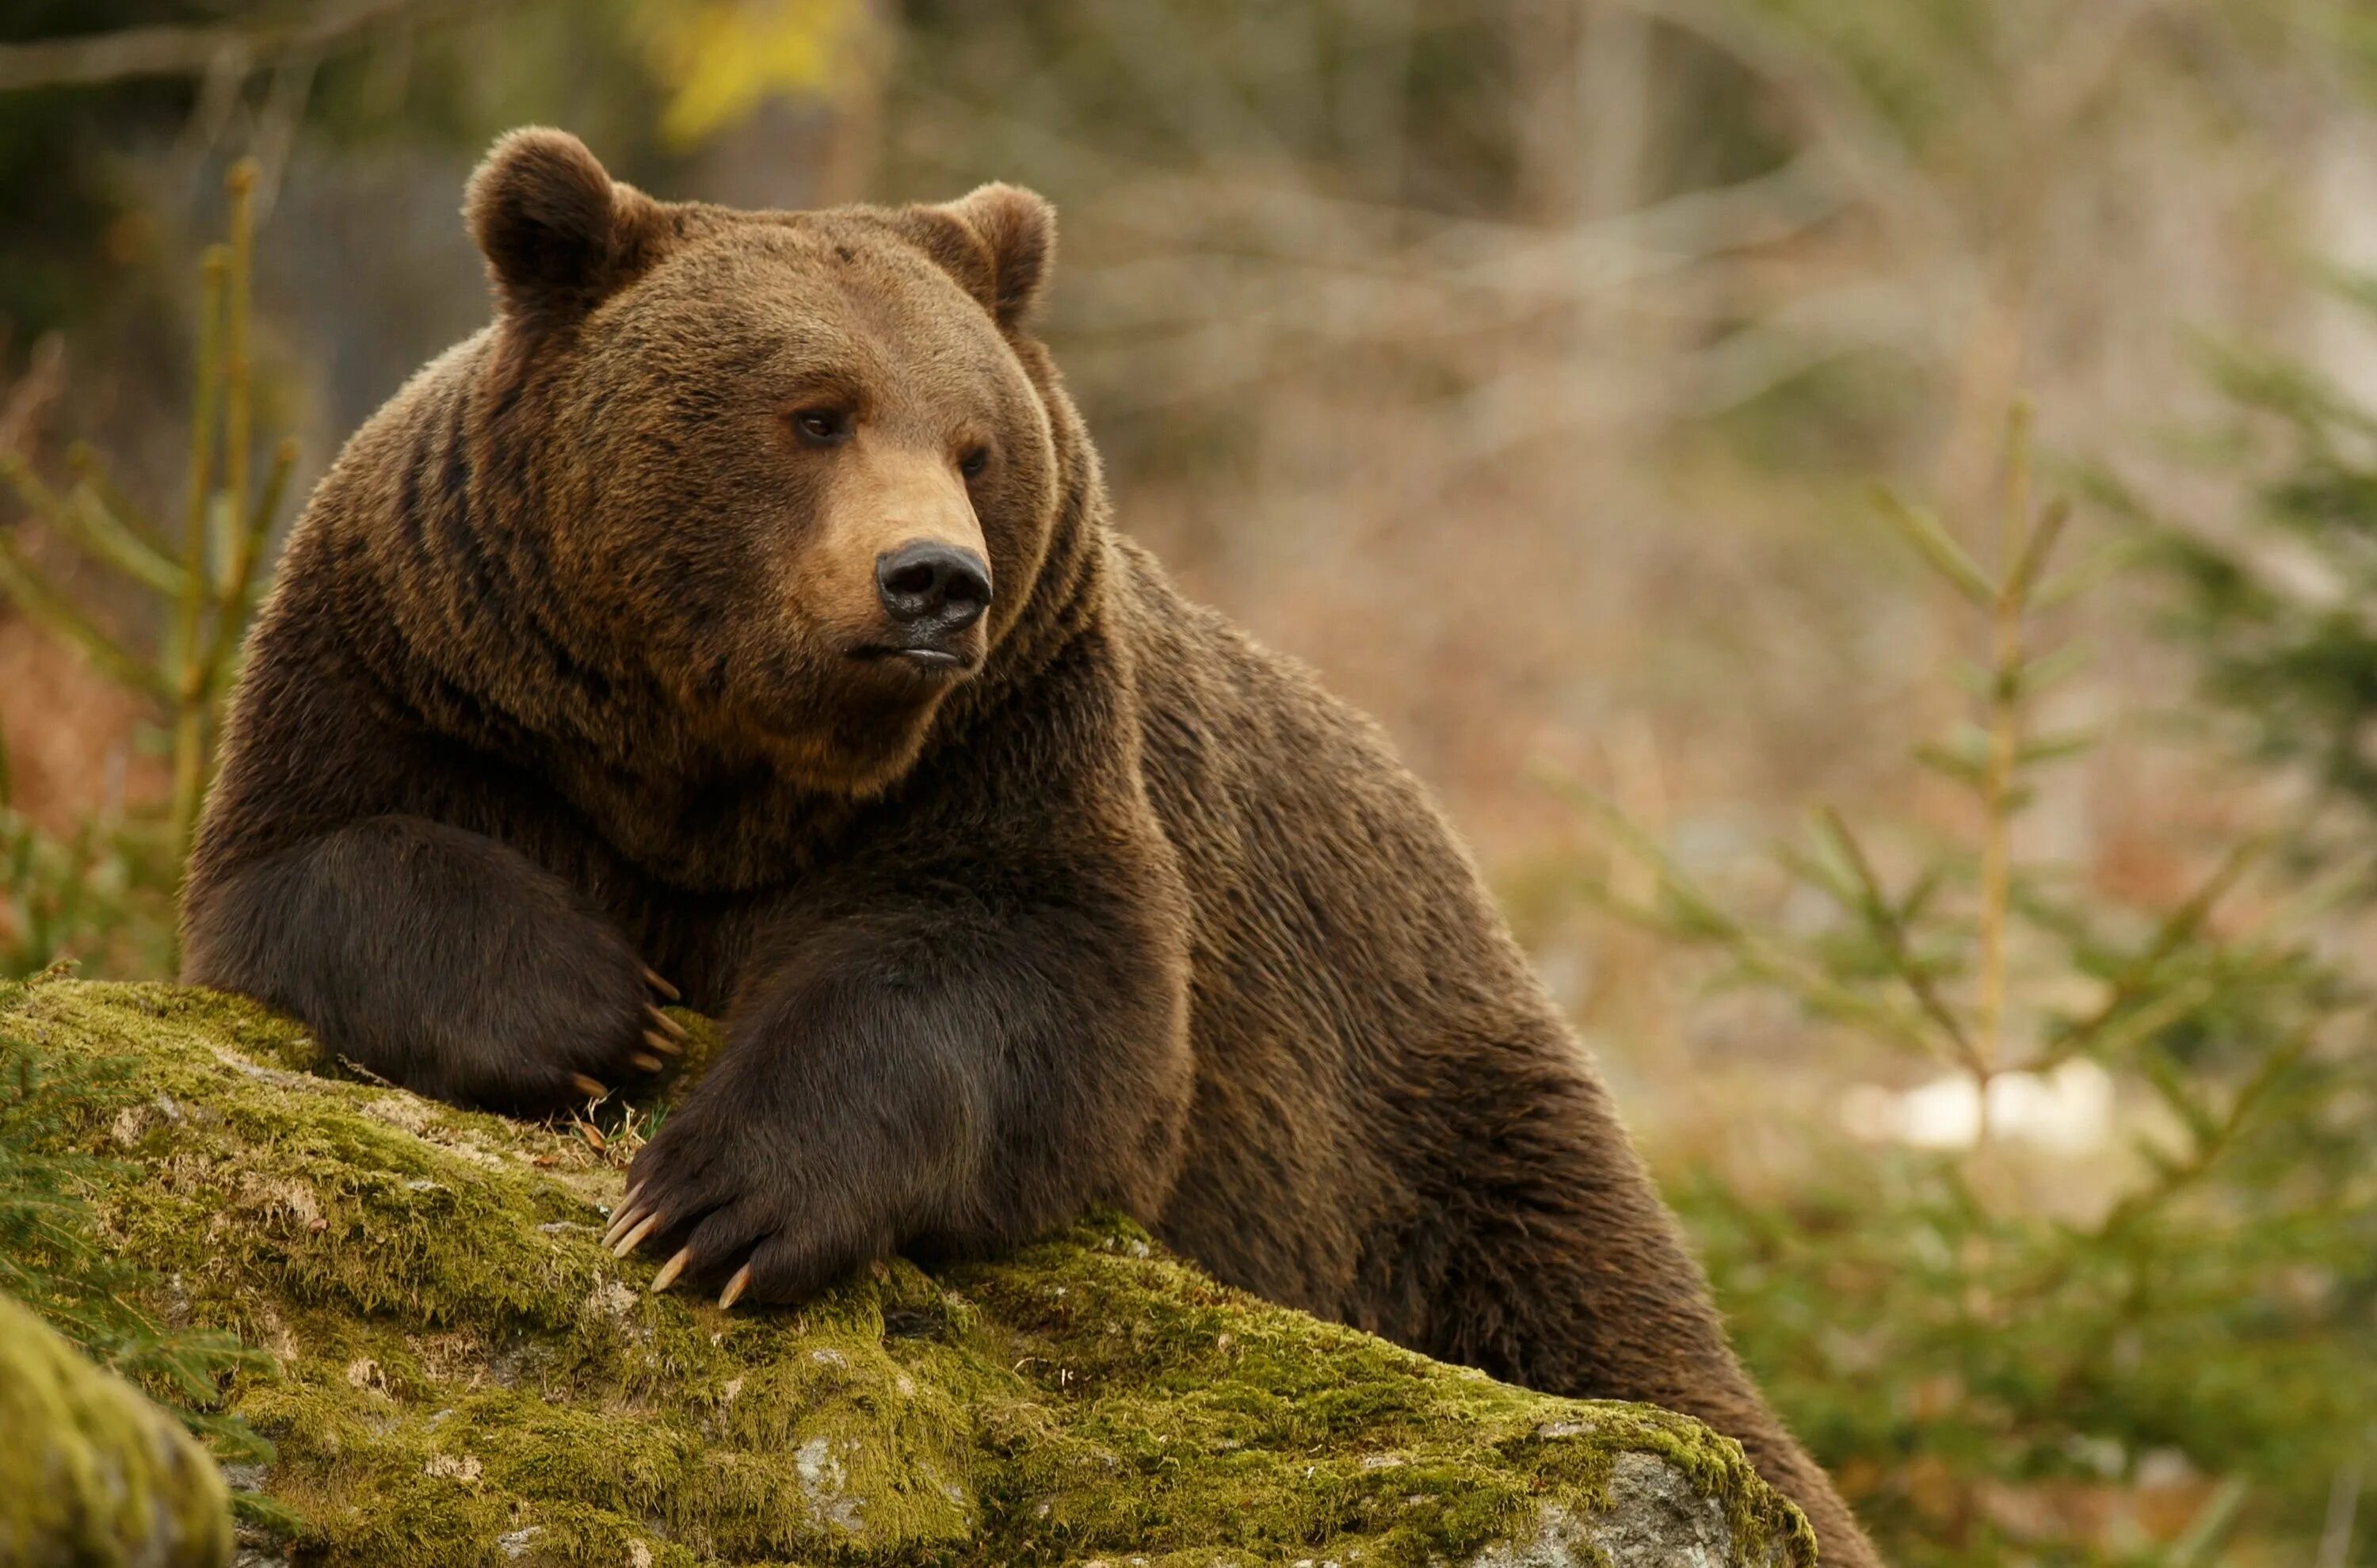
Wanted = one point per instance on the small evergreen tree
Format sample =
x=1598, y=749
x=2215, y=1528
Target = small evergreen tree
x=2183, y=1370
x=107, y=892
x=2275, y=607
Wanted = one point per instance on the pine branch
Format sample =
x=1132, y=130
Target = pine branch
x=1882, y=919
x=34, y=594
x=85, y=520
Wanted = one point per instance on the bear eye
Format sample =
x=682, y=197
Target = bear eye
x=822, y=426
x=972, y=460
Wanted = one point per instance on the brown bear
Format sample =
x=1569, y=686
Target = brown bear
x=744, y=603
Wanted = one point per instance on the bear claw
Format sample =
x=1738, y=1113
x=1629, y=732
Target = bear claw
x=652, y=978
x=644, y=1062
x=590, y=1087
x=734, y=1287
x=661, y=1043
x=669, y=1270
x=620, y=1223
x=627, y=1243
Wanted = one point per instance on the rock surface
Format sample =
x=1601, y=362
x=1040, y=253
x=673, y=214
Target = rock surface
x=465, y=1376
x=95, y=1474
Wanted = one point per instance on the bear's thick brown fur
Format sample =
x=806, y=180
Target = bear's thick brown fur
x=590, y=653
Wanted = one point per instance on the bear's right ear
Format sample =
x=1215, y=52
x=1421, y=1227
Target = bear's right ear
x=558, y=235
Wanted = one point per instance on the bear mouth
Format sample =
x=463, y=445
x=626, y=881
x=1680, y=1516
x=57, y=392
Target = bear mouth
x=926, y=661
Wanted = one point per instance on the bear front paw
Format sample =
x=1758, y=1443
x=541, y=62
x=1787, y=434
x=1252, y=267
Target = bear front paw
x=658, y=1041
x=731, y=1207
x=560, y=1040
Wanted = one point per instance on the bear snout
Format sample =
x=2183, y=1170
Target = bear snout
x=932, y=594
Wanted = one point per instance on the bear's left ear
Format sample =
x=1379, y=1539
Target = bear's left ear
x=999, y=242
x=559, y=234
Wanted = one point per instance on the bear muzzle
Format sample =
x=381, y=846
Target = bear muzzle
x=932, y=594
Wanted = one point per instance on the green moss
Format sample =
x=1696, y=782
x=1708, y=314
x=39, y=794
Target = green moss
x=90, y=1472
x=463, y=1375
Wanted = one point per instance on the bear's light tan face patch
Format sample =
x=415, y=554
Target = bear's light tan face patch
x=884, y=496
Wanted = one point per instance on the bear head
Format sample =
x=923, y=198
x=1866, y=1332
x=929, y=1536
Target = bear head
x=794, y=464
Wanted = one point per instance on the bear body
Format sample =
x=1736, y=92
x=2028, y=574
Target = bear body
x=743, y=607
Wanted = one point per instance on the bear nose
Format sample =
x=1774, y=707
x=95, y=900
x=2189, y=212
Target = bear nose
x=942, y=583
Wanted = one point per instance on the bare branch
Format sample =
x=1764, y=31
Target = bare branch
x=97, y=59
x=21, y=405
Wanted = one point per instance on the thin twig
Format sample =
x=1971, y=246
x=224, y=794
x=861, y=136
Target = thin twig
x=238, y=430
x=2174, y=929
x=93, y=473
x=1755, y=954
x=1882, y=916
x=130, y=53
x=32, y=593
x=238, y=596
x=2004, y=728
x=188, y=681
x=87, y=521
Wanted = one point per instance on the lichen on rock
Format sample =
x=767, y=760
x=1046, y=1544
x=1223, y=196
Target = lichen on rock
x=465, y=1375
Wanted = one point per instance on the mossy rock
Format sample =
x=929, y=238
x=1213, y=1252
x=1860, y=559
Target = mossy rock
x=90, y=1472
x=465, y=1376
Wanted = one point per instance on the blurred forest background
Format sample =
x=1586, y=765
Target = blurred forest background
x=1867, y=511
